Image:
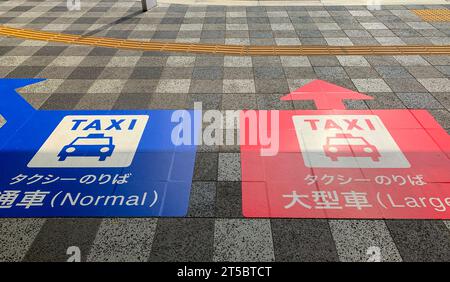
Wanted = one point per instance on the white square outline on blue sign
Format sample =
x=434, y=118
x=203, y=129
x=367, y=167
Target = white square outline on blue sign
x=158, y=181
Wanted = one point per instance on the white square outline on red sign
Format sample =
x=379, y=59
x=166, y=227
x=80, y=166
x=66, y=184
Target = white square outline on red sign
x=384, y=151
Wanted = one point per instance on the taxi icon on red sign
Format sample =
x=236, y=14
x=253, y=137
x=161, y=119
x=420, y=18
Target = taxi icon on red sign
x=347, y=145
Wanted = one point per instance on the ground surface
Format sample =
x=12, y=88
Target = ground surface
x=81, y=77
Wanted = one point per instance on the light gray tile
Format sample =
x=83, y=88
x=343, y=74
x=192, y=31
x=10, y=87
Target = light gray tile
x=235, y=61
x=229, y=167
x=413, y=60
x=436, y=84
x=353, y=238
x=238, y=86
x=371, y=85
x=123, y=240
x=173, y=86
x=17, y=235
x=353, y=61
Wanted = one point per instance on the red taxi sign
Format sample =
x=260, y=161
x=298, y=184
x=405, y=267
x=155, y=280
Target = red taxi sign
x=348, y=163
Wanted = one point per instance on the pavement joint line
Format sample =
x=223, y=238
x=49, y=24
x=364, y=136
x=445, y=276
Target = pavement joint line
x=243, y=50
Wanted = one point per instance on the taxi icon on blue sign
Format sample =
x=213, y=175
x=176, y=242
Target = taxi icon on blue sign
x=93, y=145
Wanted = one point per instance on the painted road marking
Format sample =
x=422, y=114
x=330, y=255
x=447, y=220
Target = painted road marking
x=347, y=163
x=92, y=163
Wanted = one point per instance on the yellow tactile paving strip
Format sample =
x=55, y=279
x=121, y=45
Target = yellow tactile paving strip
x=434, y=15
x=243, y=50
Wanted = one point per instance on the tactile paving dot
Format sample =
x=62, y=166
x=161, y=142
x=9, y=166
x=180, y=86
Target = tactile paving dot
x=433, y=15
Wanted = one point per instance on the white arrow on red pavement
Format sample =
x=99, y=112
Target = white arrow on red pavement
x=326, y=96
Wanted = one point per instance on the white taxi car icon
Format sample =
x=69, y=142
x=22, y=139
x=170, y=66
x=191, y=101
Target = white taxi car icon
x=347, y=145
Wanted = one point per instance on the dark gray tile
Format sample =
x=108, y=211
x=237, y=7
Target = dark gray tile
x=268, y=73
x=206, y=86
x=160, y=34
x=393, y=72
x=183, y=239
x=127, y=101
x=171, y=20
x=102, y=51
x=271, y=86
x=419, y=100
x=303, y=240
x=146, y=73
x=421, y=240
x=361, y=72
x=324, y=61
x=442, y=117
x=208, y=73
x=56, y=235
x=404, y=85
x=86, y=73
x=203, y=199
x=206, y=167
x=59, y=101
x=331, y=73
x=384, y=101
x=25, y=71
x=229, y=200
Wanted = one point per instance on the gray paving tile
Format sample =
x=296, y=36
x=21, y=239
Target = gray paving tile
x=443, y=98
x=97, y=101
x=167, y=101
x=127, y=101
x=324, y=61
x=17, y=235
x=442, y=116
x=273, y=102
x=236, y=73
x=331, y=73
x=405, y=85
x=183, y=239
x=371, y=85
x=361, y=72
x=243, y=240
x=208, y=73
x=353, y=239
x=414, y=60
x=420, y=240
x=207, y=86
x=62, y=101
x=203, y=199
x=228, y=200
x=239, y=101
x=382, y=60
x=419, y=100
x=206, y=167
x=436, y=84
x=229, y=168
x=425, y=72
x=384, y=101
x=303, y=240
x=447, y=223
x=271, y=86
x=393, y=72
x=209, y=101
x=173, y=86
x=56, y=235
x=123, y=240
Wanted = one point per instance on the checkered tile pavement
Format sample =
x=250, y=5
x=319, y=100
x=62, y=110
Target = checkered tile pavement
x=82, y=77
